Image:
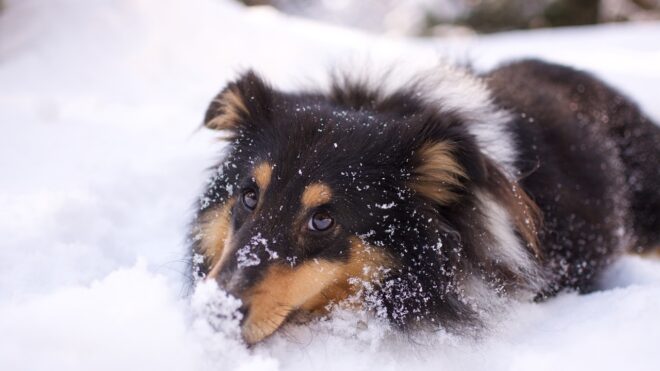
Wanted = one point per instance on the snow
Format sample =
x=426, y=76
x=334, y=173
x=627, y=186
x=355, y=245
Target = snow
x=101, y=159
x=386, y=206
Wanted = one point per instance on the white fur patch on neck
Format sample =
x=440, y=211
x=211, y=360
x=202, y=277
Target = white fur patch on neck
x=457, y=89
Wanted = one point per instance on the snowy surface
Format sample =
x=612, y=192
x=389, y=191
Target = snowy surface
x=101, y=159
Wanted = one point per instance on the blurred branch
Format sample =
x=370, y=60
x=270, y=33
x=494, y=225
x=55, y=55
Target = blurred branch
x=572, y=13
x=461, y=17
x=646, y=4
x=502, y=15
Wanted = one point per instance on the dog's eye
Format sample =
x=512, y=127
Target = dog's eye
x=320, y=221
x=250, y=199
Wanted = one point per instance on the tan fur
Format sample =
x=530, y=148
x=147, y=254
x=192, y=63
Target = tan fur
x=316, y=194
x=216, y=233
x=229, y=107
x=282, y=290
x=527, y=217
x=366, y=263
x=310, y=286
x=262, y=174
x=439, y=174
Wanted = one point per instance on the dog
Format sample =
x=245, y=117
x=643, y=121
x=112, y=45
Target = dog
x=425, y=200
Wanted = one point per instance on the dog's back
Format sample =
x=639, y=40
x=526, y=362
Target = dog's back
x=591, y=161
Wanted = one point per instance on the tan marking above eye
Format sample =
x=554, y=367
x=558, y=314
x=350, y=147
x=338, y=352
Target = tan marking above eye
x=438, y=174
x=262, y=174
x=310, y=286
x=316, y=194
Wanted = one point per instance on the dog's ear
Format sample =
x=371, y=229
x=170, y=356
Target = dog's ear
x=444, y=168
x=437, y=173
x=242, y=104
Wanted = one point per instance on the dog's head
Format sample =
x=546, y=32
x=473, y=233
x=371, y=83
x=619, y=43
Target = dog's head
x=320, y=194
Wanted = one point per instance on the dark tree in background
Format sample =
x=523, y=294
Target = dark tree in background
x=572, y=12
x=502, y=15
x=433, y=17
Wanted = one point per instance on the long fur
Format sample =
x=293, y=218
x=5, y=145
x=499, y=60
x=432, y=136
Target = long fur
x=520, y=182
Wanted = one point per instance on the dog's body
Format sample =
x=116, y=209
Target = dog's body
x=425, y=201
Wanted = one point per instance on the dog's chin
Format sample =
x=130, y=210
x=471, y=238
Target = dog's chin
x=256, y=331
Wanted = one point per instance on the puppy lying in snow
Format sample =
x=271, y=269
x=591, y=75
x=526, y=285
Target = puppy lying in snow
x=425, y=200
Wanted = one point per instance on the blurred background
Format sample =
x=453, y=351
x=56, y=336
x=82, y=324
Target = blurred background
x=451, y=17
x=459, y=17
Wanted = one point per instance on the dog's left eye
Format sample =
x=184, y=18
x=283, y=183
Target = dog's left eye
x=250, y=199
x=320, y=221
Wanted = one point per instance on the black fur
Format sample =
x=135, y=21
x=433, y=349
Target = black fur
x=585, y=155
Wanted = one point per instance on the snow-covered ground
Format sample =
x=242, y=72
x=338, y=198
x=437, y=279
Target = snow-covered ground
x=101, y=159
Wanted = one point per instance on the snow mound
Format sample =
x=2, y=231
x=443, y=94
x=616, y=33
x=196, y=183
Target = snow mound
x=101, y=159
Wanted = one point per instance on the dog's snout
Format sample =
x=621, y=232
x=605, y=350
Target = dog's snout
x=232, y=282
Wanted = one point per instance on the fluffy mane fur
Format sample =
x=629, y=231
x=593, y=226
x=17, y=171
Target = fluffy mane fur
x=451, y=189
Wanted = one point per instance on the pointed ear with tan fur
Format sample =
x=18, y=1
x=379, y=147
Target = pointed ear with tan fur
x=437, y=174
x=242, y=104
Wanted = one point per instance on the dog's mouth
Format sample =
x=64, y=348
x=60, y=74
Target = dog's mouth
x=310, y=287
x=254, y=331
x=256, y=327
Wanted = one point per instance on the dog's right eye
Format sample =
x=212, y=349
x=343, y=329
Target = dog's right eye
x=250, y=199
x=320, y=221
